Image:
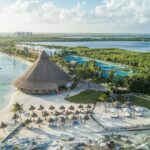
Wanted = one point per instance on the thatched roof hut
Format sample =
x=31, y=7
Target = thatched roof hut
x=42, y=77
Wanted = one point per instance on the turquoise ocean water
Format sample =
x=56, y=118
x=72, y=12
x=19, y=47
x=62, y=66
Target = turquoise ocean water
x=10, y=68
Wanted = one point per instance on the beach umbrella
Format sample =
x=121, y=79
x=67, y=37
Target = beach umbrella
x=34, y=115
x=74, y=117
x=51, y=107
x=45, y=114
x=62, y=107
x=71, y=108
x=41, y=107
x=3, y=126
x=51, y=120
x=80, y=106
x=27, y=122
x=57, y=113
x=77, y=112
x=67, y=113
x=15, y=117
x=88, y=107
x=31, y=108
x=86, y=118
x=39, y=121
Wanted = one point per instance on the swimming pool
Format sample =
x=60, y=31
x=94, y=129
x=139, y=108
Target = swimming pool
x=105, y=66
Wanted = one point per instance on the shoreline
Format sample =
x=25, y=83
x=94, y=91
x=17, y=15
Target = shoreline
x=8, y=95
x=17, y=58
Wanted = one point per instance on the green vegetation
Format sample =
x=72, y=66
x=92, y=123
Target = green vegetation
x=103, y=97
x=7, y=46
x=91, y=96
x=17, y=108
x=139, y=63
x=139, y=81
x=72, y=37
x=140, y=102
x=85, y=97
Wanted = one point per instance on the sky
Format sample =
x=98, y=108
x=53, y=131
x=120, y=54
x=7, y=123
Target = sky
x=75, y=16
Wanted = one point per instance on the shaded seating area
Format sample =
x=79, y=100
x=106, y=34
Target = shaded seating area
x=139, y=111
x=43, y=77
x=127, y=112
x=61, y=117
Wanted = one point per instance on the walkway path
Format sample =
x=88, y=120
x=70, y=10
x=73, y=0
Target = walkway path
x=141, y=97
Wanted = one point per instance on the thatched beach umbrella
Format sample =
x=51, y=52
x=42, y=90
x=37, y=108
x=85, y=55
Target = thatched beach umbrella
x=88, y=107
x=3, y=126
x=73, y=117
x=39, y=121
x=62, y=107
x=51, y=107
x=41, y=108
x=86, y=118
x=51, y=120
x=31, y=108
x=42, y=77
x=80, y=106
x=71, y=108
x=15, y=117
x=34, y=115
x=45, y=114
x=67, y=113
x=77, y=112
x=27, y=122
x=57, y=113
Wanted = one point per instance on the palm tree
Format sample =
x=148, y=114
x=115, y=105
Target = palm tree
x=3, y=126
x=17, y=108
x=27, y=122
x=103, y=98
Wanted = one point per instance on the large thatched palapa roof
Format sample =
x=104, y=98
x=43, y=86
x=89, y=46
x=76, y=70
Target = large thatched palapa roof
x=43, y=76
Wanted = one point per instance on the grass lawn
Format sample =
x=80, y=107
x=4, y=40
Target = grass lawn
x=85, y=97
x=90, y=96
x=140, y=102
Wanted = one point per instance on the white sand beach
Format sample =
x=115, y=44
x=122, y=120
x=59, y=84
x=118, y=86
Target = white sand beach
x=46, y=100
x=105, y=117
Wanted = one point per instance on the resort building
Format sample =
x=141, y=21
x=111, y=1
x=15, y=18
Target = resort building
x=23, y=33
x=43, y=77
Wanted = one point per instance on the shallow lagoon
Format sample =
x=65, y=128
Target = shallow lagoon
x=140, y=46
x=10, y=69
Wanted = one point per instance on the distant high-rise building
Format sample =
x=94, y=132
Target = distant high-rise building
x=23, y=33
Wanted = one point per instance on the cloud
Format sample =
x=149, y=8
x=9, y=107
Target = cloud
x=109, y=15
x=31, y=10
x=124, y=11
